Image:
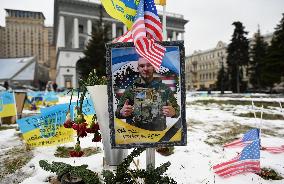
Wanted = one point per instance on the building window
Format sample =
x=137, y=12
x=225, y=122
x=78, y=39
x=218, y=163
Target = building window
x=119, y=32
x=81, y=28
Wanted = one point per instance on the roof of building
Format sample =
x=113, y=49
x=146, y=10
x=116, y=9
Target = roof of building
x=17, y=68
x=220, y=45
x=25, y=14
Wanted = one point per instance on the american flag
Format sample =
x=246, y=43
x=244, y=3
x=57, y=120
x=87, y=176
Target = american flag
x=127, y=37
x=248, y=137
x=274, y=149
x=145, y=30
x=246, y=161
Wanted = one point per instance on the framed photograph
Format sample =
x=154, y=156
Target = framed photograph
x=146, y=107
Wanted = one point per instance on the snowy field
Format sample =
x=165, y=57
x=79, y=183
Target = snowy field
x=209, y=125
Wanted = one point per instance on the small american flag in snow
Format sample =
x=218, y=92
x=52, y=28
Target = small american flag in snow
x=248, y=137
x=246, y=161
x=274, y=149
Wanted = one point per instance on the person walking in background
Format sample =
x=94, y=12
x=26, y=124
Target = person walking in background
x=6, y=85
x=49, y=86
x=54, y=86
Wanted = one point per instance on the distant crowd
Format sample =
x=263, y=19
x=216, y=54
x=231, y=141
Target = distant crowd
x=51, y=86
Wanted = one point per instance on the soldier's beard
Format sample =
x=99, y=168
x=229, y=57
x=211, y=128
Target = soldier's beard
x=147, y=77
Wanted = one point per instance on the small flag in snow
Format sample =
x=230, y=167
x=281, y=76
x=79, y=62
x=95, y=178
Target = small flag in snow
x=248, y=137
x=246, y=161
x=274, y=149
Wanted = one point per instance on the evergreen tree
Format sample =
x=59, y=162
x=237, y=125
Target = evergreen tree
x=95, y=51
x=238, y=57
x=222, y=80
x=258, y=54
x=274, y=64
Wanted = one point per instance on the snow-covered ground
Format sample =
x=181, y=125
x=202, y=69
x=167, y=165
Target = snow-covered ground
x=189, y=164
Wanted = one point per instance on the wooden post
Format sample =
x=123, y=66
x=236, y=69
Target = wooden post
x=150, y=157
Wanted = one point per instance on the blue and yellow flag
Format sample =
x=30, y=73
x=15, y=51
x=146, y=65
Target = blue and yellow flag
x=7, y=104
x=46, y=129
x=123, y=10
x=50, y=98
x=88, y=110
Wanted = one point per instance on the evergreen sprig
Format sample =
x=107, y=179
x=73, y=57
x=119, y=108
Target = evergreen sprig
x=150, y=175
x=122, y=175
x=60, y=168
x=94, y=79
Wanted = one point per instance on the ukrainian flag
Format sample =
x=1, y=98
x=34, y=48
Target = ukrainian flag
x=46, y=129
x=123, y=10
x=7, y=104
x=50, y=98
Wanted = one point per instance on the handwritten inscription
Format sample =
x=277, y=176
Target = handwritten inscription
x=134, y=134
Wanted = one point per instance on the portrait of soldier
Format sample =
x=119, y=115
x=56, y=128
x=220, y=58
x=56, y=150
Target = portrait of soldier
x=147, y=102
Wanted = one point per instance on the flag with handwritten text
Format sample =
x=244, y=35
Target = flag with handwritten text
x=47, y=128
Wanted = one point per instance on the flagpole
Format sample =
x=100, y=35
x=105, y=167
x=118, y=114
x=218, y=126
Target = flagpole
x=261, y=113
x=15, y=105
x=150, y=152
x=253, y=109
x=165, y=35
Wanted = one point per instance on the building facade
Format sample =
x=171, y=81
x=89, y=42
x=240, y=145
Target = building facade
x=202, y=67
x=2, y=29
x=25, y=35
x=73, y=24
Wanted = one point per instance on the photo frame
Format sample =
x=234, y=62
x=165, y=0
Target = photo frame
x=146, y=107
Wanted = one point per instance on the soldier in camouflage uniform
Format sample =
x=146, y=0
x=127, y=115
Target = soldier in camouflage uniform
x=148, y=102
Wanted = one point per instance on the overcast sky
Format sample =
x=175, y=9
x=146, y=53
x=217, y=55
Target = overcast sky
x=209, y=20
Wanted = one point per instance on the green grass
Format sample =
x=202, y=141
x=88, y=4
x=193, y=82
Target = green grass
x=227, y=133
x=236, y=102
x=63, y=151
x=231, y=133
x=269, y=174
x=15, y=159
x=6, y=127
x=264, y=116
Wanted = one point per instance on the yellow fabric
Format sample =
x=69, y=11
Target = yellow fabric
x=63, y=135
x=161, y=2
x=120, y=11
x=176, y=137
x=128, y=134
x=8, y=110
x=49, y=103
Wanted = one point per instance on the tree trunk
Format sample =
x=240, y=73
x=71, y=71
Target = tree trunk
x=238, y=79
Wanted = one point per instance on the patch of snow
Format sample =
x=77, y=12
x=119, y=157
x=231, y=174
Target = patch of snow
x=189, y=164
